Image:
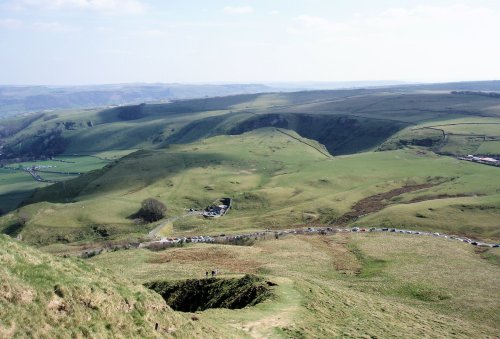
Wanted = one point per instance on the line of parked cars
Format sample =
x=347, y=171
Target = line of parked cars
x=223, y=238
x=436, y=234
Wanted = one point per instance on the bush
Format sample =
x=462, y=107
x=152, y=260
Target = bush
x=152, y=210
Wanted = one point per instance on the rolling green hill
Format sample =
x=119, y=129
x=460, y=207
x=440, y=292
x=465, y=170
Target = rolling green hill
x=268, y=150
x=277, y=179
x=346, y=121
x=360, y=157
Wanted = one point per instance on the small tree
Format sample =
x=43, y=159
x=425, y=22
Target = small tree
x=152, y=210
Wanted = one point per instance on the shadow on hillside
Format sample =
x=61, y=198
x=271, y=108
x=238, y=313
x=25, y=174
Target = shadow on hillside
x=130, y=174
x=341, y=134
x=11, y=200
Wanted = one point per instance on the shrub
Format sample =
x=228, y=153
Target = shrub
x=152, y=210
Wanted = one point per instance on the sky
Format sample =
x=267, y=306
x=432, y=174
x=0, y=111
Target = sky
x=76, y=42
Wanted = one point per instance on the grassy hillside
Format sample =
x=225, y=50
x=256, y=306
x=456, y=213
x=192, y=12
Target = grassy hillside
x=277, y=180
x=346, y=285
x=341, y=134
x=361, y=157
x=346, y=121
x=44, y=296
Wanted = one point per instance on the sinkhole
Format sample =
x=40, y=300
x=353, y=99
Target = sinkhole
x=200, y=294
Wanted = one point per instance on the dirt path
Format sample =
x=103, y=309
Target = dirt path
x=284, y=313
x=305, y=143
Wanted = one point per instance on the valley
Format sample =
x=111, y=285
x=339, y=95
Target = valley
x=349, y=209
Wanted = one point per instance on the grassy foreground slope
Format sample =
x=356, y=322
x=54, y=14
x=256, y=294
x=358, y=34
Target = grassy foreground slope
x=277, y=180
x=43, y=296
x=345, y=285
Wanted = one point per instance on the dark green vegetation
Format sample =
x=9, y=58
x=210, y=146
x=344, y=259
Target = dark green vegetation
x=151, y=210
x=201, y=294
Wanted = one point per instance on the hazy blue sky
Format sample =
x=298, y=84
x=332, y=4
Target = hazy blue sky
x=116, y=41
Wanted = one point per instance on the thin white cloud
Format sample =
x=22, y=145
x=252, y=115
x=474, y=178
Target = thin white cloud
x=315, y=24
x=393, y=20
x=238, y=10
x=154, y=33
x=103, y=6
x=52, y=27
x=435, y=40
x=10, y=23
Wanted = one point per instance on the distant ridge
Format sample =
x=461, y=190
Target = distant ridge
x=15, y=100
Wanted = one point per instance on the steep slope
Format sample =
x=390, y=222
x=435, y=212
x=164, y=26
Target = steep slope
x=348, y=121
x=45, y=296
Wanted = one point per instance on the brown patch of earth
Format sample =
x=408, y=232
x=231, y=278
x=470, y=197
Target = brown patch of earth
x=7, y=332
x=58, y=306
x=377, y=202
x=215, y=256
x=16, y=295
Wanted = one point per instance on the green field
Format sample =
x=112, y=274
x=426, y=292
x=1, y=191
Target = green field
x=17, y=185
x=276, y=180
x=453, y=137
